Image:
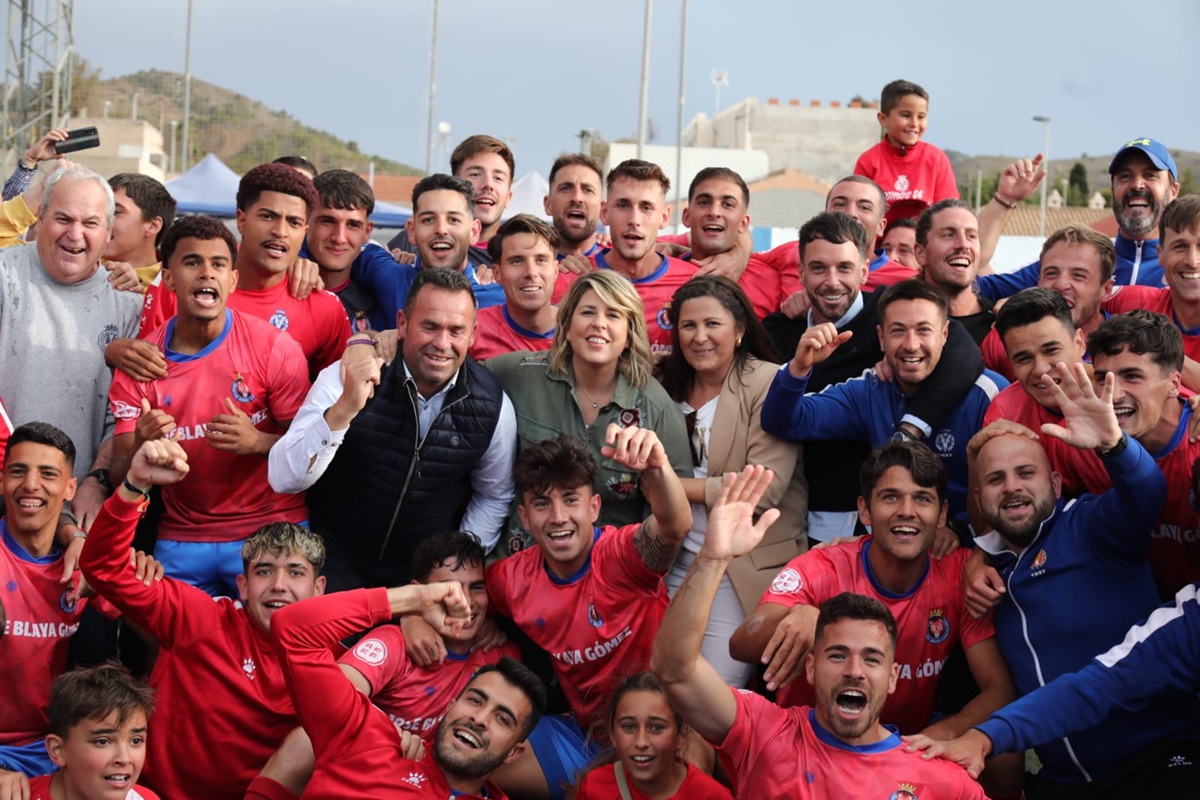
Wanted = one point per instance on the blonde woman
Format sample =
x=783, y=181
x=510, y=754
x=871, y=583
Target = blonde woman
x=596, y=373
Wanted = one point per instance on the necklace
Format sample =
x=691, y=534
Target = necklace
x=590, y=396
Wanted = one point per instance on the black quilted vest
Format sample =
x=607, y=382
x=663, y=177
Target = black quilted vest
x=385, y=491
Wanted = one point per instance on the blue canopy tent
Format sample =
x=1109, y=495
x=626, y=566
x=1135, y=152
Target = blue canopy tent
x=210, y=187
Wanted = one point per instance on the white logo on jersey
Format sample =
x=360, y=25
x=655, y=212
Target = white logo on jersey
x=371, y=651
x=902, y=183
x=415, y=779
x=786, y=582
x=248, y=667
x=944, y=443
x=122, y=410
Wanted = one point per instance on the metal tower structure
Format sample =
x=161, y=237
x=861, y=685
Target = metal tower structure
x=37, y=72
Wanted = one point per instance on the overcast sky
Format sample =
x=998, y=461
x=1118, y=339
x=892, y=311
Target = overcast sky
x=536, y=72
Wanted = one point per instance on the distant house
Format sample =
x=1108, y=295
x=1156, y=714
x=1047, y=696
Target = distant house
x=786, y=199
x=1097, y=201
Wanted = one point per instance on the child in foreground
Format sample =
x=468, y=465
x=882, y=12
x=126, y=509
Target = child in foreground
x=97, y=736
x=649, y=740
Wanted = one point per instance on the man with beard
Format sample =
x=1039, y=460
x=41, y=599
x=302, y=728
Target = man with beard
x=1179, y=260
x=1075, y=572
x=576, y=193
x=487, y=165
x=948, y=251
x=359, y=752
x=838, y=748
x=833, y=252
x=912, y=331
x=1144, y=180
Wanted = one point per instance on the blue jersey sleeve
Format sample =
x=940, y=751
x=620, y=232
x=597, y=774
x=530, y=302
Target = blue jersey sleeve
x=1000, y=285
x=377, y=271
x=1157, y=656
x=841, y=411
x=1120, y=520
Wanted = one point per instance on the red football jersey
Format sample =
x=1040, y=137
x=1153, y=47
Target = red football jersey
x=226, y=497
x=601, y=784
x=496, y=333
x=212, y=656
x=357, y=748
x=41, y=616
x=656, y=291
x=1130, y=298
x=930, y=620
x=774, y=753
x=912, y=178
x=995, y=357
x=598, y=626
x=415, y=697
x=1081, y=470
x=39, y=789
x=318, y=323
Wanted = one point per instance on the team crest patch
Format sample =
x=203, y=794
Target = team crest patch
x=107, y=336
x=241, y=392
x=902, y=183
x=371, y=651
x=938, y=627
x=280, y=319
x=663, y=319
x=68, y=600
x=629, y=417
x=944, y=443
x=515, y=544
x=786, y=582
x=594, y=618
x=1039, y=560
x=905, y=791
x=360, y=322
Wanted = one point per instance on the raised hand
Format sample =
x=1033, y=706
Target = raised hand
x=1090, y=420
x=235, y=433
x=1021, y=179
x=732, y=531
x=158, y=463
x=817, y=344
x=634, y=447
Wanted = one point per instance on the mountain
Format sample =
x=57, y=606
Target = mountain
x=241, y=131
x=966, y=168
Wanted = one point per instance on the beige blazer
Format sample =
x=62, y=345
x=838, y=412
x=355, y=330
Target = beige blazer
x=737, y=439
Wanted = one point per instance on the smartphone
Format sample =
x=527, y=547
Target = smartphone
x=78, y=139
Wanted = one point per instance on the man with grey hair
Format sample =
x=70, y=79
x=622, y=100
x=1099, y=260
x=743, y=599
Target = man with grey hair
x=57, y=314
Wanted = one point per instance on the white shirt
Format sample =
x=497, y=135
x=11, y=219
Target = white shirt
x=302, y=455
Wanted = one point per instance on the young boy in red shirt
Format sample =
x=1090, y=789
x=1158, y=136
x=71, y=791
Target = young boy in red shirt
x=914, y=174
x=97, y=736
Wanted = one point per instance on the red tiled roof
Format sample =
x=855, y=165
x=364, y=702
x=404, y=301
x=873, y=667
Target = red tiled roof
x=394, y=188
x=1026, y=219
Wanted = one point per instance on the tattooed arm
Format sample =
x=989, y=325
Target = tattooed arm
x=659, y=538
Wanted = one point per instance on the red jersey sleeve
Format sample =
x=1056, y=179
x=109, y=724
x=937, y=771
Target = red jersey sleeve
x=169, y=610
x=785, y=260
x=617, y=559
x=287, y=376
x=803, y=582
x=1128, y=298
x=867, y=165
x=125, y=399
x=379, y=657
x=757, y=722
x=331, y=710
x=995, y=357
x=498, y=578
x=945, y=187
x=762, y=283
x=157, y=307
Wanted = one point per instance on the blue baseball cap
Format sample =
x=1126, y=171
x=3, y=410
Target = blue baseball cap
x=1155, y=150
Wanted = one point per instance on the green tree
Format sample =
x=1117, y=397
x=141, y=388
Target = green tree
x=1077, y=185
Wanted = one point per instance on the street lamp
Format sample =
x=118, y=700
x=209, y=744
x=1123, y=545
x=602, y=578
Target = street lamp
x=432, y=92
x=174, y=127
x=1045, y=160
x=645, y=93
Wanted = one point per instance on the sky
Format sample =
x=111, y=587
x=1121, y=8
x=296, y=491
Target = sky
x=537, y=72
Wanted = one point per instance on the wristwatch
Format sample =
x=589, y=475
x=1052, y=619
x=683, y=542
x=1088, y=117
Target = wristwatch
x=1117, y=448
x=102, y=477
